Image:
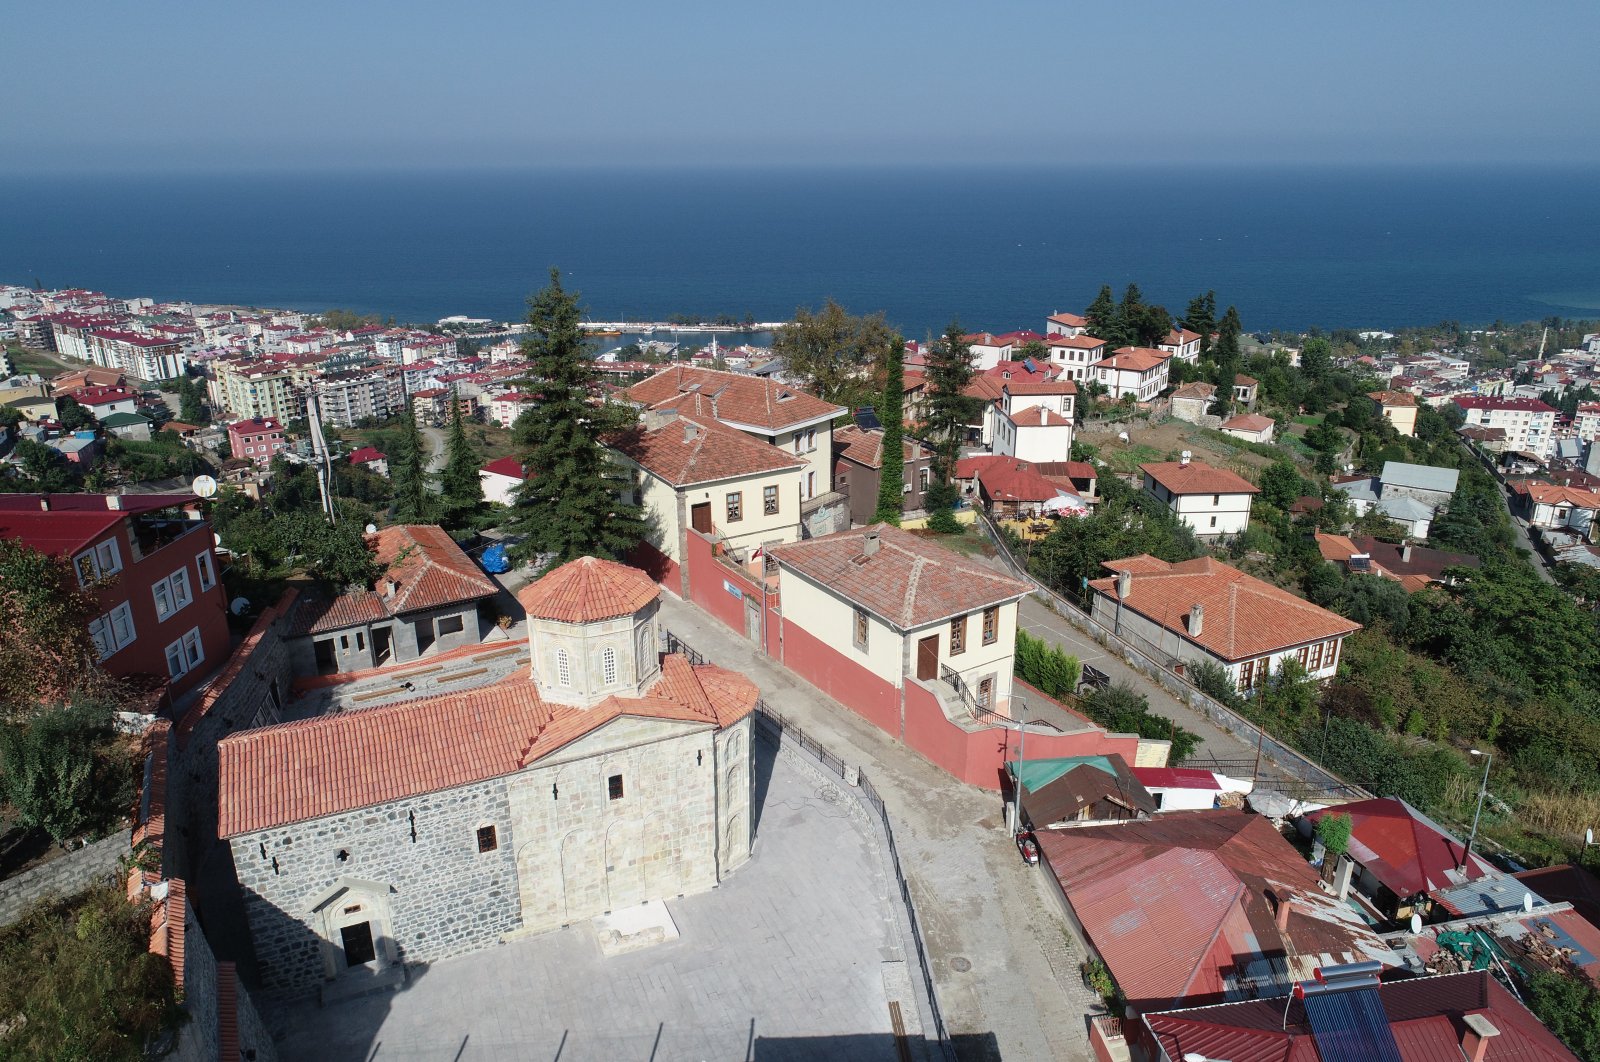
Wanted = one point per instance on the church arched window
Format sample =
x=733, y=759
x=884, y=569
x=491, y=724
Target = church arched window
x=608, y=662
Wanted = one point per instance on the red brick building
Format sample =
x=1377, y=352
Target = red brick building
x=151, y=564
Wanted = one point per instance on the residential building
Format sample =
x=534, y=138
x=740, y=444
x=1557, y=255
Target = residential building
x=500, y=479
x=1413, y=566
x=1073, y=790
x=1430, y=484
x=370, y=458
x=764, y=409
x=255, y=390
x=1202, y=907
x=1546, y=505
x=701, y=477
x=1366, y=493
x=431, y=405
x=1182, y=344
x=858, y=468
x=1463, y=1017
x=1137, y=371
x=1528, y=423
x=1398, y=858
x=1073, y=355
x=1193, y=401
x=987, y=349
x=348, y=398
x=149, y=358
x=135, y=426
x=257, y=440
x=1399, y=408
x=1014, y=489
x=1244, y=390
x=605, y=777
x=426, y=601
x=1206, y=611
x=1033, y=433
x=1251, y=427
x=148, y=561
x=104, y=401
x=1212, y=501
x=1065, y=324
x=504, y=409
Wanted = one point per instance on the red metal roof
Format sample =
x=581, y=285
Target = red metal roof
x=1404, y=850
x=73, y=520
x=1175, y=778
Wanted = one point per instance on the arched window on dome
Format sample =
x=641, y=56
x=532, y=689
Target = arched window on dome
x=608, y=663
x=563, y=668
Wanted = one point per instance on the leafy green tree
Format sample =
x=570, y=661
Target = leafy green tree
x=1212, y=679
x=93, y=990
x=45, y=650
x=43, y=468
x=459, y=483
x=1127, y=522
x=950, y=409
x=1101, y=318
x=73, y=416
x=1122, y=709
x=892, y=471
x=1228, y=352
x=10, y=417
x=1046, y=667
x=191, y=402
x=1281, y=483
x=1316, y=359
x=1334, y=833
x=1569, y=1003
x=48, y=768
x=833, y=352
x=1034, y=349
x=572, y=504
x=413, y=501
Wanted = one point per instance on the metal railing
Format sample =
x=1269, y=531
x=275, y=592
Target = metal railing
x=781, y=729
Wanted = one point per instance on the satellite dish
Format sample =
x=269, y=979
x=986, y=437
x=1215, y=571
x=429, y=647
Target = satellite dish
x=1527, y=902
x=1416, y=923
x=1588, y=837
x=372, y=529
x=238, y=605
x=204, y=486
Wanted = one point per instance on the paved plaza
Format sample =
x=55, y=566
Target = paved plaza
x=788, y=959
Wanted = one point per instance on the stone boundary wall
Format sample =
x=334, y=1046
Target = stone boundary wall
x=63, y=876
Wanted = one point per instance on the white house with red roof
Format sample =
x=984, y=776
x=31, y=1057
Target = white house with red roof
x=987, y=349
x=1181, y=344
x=500, y=479
x=1065, y=324
x=1137, y=371
x=1251, y=427
x=504, y=409
x=104, y=401
x=1529, y=424
x=1212, y=501
x=1204, y=610
x=603, y=777
x=370, y=458
x=1072, y=355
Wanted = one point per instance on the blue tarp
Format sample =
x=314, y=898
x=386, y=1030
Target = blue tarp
x=495, y=561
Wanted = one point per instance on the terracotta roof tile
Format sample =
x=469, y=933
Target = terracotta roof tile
x=1244, y=617
x=688, y=451
x=1078, y=342
x=587, y=590
x=1134, y=359
x=1392, y=398
x=1197, y=477
x=1248, y=422
x=909, y=581
x=430, y=568
x=745, y=401
x=1197, y=389
x=1016, y=481
x=292, y=772
x=1038, y=417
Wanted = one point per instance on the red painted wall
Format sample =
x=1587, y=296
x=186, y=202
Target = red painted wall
x=841, y=678
x=660, y=567
x=706, y=579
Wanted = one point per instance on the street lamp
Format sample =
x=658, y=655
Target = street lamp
x=1016, y=778
x=1488, y=758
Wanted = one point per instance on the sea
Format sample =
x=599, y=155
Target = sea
x=996, y=247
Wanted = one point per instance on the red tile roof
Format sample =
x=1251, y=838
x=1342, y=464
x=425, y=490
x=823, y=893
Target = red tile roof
x=1529, y=405
x=365, y=454
x=1197, y=389
x=1179, y=336
x=866, y=447
x=1402, y=848
x=1241, y=380
x=686, y=451
x=1197, y=477
x=1135, y=359
x=1016, y=480
x=1038, y=417
x=1071, y=320
x=276, y=775
x=1248, y=422
x=1175, y=904
x=1392, y=398
x=910, y=581
x=1078, y=342
x=744, y=401
x=1425, y=1015
x=587, y=590
x=1041, y=385
x=430, y=570
x=972, y=467
x=1244, y=617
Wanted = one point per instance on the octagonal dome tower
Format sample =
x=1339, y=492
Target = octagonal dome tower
x=591, y=632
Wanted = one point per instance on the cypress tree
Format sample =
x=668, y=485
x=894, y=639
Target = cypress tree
x=571, y=503
x=1100, y=317
x=460, y=483
x=949, y=411
x=892, y=469
x=413, y=502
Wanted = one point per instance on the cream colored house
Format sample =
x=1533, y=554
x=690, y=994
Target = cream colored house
x=1399, y=409
x=901, y=607
x=698, y=474
x=1212, y=501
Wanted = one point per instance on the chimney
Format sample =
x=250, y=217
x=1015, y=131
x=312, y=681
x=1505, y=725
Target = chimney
x=1124, y=584
x=1475, y=1038
x=870, y=545
x=1285, y=904
x=656, y=419
x=1342, y=875
x=1405, y=553
x=1197, y=619
x=691, y=431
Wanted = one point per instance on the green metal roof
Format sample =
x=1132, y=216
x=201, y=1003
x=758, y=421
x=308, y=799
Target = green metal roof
x=123, y=420
x=1036, y=774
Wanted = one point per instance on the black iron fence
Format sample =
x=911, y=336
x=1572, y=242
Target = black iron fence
x=781, y=729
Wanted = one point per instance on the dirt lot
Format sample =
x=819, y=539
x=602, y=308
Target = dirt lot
x=1164, y=442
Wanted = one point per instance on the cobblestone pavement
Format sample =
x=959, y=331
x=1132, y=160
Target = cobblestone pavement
x=795, y=956
x=986, y=918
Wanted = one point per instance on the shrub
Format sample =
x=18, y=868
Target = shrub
x=61, y=771
x=1122, y=709
x=1334, y=833
x=1048, y=668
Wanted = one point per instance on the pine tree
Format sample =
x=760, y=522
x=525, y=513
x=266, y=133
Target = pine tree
x=1201, y=317
x=459, y=483
x=1227, y=353
x=950, y=409
x=413, y=502
x=1100, y=317
x=892, y=468
x=571, y=503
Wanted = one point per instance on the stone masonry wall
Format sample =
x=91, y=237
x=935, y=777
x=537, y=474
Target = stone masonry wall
x=62, y=876
x=734, y=785
x=584, y=853
x=444, y=896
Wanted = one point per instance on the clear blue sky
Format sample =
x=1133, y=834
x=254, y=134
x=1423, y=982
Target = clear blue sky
x=167, y=84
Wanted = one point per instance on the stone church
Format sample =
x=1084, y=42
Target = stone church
x=608, y=776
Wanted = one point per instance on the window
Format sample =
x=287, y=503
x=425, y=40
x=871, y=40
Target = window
x=207, y=569
x=614, y=787
x=811, y=440
x=735, y=506
x=769, y=500
x=1301, y=656
x=113, y=631
x=608, y=663
x=185, y=654
x=1213, y=521
x=958, y=635
x=861, y=629
x=101, y=562
x=1216, y=499
x=563, y=668
x=172, y=593
x=450, y=625
x=797, y=443
x=1316, y=658
x=991, y=624
x=487, y=841
x=1247, y=671
x=985, y=692
x=922, y=480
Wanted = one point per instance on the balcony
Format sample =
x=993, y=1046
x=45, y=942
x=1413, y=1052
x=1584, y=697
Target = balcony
x=150, y=533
